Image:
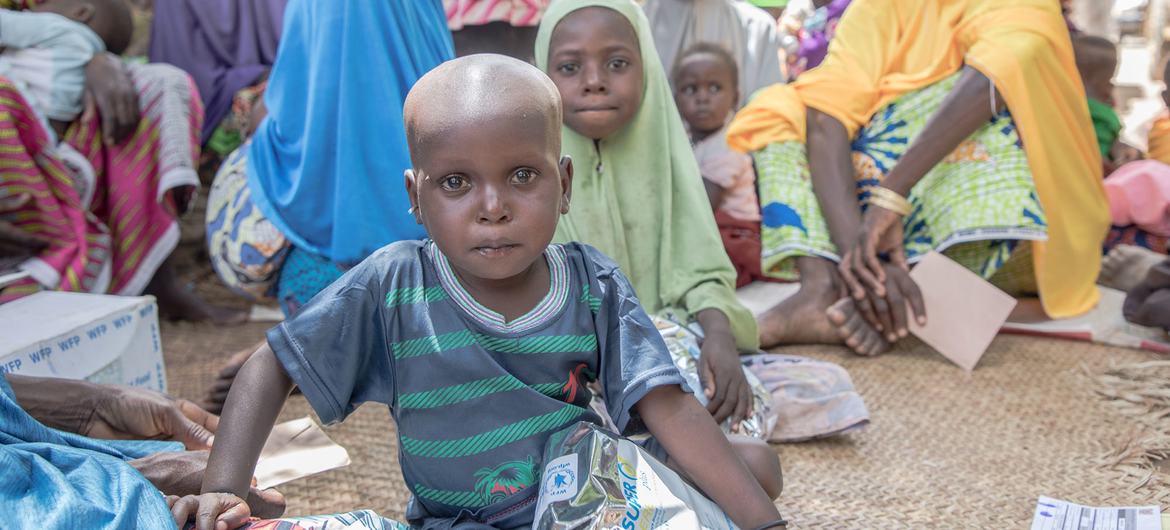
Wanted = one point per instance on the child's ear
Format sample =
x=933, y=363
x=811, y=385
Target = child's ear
x=410, y=179
x=566, y=183
x=83, y=11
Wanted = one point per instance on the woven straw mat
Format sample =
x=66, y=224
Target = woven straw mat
x=945, y=449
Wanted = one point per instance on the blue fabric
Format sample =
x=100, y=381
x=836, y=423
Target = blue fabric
x=326, y=165
x=53, y=479
x=302, y=276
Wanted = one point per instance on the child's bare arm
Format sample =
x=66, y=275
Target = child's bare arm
x=714, y=193
x=701, y=450
x=253, y=404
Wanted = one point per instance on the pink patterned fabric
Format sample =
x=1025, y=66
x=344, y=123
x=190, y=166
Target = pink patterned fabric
x=79, y=254
x=479, y=12
x=1139, y=194
x=107, y=209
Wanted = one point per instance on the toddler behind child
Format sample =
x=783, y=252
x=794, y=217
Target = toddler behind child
x=46, y=49
x=705, y=90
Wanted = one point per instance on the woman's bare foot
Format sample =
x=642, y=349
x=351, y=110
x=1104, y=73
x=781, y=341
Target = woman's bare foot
x=802, y=318
x=1126, y=266
x=176, y=302
x=217, y=394
x=853, y=330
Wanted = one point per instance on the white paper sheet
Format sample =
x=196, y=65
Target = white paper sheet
x=1055, y=514
x=297, y=449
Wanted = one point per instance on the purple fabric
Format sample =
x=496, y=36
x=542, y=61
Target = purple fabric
x=225, y=45
x=814, y=43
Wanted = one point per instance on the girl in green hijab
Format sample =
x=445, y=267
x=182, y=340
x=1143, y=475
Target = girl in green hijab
x=637, y=193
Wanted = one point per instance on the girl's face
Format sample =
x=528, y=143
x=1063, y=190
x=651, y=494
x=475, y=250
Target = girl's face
x=594, y=60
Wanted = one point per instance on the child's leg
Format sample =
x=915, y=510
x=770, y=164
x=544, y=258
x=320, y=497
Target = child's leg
x=763, y=462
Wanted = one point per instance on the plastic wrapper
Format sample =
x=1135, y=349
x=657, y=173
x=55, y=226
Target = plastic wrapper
x=683, y=344
x=595, y=480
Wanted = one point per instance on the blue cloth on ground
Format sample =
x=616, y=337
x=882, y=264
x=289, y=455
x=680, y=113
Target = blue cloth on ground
x=52, y=479
x=326, y=165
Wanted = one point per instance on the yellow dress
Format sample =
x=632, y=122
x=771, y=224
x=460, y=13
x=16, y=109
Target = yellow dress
x=886, y=48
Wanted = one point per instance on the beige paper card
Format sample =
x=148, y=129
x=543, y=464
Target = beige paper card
x=297, y=449
x=963, y=311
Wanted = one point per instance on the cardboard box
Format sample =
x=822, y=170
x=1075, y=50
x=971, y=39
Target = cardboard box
x=98, y=338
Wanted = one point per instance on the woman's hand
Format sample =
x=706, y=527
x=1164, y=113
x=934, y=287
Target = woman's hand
x=881, y=289
x=121, y=412
x=110, y=92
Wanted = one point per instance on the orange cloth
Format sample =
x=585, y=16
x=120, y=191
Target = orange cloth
x=1159, y=140
x=886, y=48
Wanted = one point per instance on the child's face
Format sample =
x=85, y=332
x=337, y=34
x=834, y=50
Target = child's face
x=490, y=192
x=596, y=64
x=705, y=92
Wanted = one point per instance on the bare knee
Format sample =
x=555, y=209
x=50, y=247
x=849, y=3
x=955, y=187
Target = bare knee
x=762, y=461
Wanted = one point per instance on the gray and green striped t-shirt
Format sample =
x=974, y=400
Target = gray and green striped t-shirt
x=474, y=398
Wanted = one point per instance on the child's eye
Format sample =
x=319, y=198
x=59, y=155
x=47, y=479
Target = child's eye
x=453, y=183
x=689, y=90
x=618, y=64
x=523, y=176
x=715, y=88
x=568, y=68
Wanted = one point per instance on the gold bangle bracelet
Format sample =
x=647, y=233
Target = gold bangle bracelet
x=883, y=202
x=890, y=200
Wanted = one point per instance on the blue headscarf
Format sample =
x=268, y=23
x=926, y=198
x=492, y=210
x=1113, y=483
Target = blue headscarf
x=326, y=165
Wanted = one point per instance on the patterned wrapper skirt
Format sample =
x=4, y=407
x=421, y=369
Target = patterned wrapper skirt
x=976, y=206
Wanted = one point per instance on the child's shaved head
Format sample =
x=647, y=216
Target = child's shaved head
x=477, y=88
x=487, y=179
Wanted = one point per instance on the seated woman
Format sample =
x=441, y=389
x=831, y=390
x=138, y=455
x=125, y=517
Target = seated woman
x=958, y=127
x=281, y=221
x=98, y=213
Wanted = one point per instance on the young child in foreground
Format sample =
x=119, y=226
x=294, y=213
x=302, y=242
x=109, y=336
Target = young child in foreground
x=705, y=81
x=481, y=340
x=46, y=49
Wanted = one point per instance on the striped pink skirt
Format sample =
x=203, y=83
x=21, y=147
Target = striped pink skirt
x=107, y=210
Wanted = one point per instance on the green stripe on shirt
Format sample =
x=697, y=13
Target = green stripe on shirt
x=492, y=439
x=524, y=345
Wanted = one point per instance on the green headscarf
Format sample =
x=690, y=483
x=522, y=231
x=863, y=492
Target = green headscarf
x=638, y=196
x=1106, y=124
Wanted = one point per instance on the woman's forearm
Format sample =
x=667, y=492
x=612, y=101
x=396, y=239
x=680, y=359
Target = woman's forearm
x=964, y=110
x=830, y=164
x=62, y=404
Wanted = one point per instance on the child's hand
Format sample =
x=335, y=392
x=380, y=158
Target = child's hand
x=724, y=384
x=212, y=511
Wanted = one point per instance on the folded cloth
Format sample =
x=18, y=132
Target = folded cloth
x=811, y=399
x=1139, y=194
